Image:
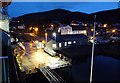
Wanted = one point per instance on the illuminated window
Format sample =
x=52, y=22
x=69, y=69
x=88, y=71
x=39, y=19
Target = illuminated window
x=85, y=25
x=65, y=43
x=54, y=45
x=77, y=32
x=85, y=32
x=1, y=23
x=17, y=40
x=74, y=42
x=60, y=45
x=42, y=45
x=12, y=39
x=69, y=42
x=58, y=29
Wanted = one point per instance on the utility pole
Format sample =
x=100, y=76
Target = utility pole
x=92, y=57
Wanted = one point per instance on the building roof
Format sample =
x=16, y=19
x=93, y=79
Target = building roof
x=78, y=28
x=62, y=38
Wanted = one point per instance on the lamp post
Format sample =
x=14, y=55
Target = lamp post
x=54, y=34
x=46, y=37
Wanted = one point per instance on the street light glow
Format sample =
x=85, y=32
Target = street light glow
x=46, y=34
x=113, y=30
x=46, y=37
x=36, y=41
x=30, y=28
x=105, y=25
x=54, y=34
x=52, y=25
x=92, y=29
x=36, y=29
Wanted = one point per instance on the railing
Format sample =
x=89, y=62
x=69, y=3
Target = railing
x=4, y=69
x=51, y=75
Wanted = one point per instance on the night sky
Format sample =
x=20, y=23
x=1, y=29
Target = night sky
x=20, y=8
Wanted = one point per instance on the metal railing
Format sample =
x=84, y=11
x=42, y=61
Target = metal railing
x=51, y=75
x=5, y=73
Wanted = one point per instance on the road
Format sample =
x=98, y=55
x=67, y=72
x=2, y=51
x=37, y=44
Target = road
x=37, y=58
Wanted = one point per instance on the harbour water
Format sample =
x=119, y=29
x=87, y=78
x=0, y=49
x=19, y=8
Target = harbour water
x=106, y=69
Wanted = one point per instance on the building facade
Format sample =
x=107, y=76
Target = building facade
x=66, y=30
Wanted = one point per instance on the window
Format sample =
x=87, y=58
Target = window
x=69, y=42
x=65, y=43
x=74, y=42
x=60, y=45
x=54, y=46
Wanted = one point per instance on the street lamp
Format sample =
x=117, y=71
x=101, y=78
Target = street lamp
x=105, y=25
x=36, y=30
x=46, y=37
x=54, y=34
x=113, y=31
x=30, y=28
x=52, y=25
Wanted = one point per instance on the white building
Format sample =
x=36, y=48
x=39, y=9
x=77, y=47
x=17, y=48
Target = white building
x=63, y=41
x=22, y=26
x=66, y=30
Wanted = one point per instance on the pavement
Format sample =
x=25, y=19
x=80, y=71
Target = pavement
x=36, y=58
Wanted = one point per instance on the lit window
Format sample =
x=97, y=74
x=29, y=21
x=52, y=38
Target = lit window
x=74, y=42
x=54, y=45
x=12, y=39
x=65, y=43
x=75, y=32
x=85, y=24
x=1, y=23
x=84, y=32
x=60, y=45
x=17, y=40
x=69, y=42
x=58, y=29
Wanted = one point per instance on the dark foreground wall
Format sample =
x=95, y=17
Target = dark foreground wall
x=10, y=71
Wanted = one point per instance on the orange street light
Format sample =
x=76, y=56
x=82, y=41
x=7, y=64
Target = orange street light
x=92, y=29
x=105, y=25
x=113, y=31
x=30, y=28
x=36, y=29
x=46, y=34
